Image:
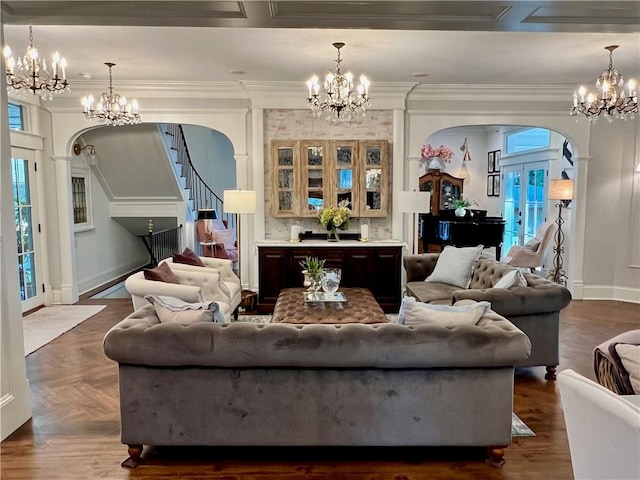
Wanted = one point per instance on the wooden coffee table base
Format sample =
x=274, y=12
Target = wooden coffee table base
x=360, y=307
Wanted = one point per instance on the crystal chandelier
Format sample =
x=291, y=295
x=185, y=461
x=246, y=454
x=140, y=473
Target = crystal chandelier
x=341, y=102
x=30, y=73
x=112, y=108
x=611, y=97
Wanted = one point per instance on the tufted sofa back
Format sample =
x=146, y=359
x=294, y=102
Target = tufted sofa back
x=487, y=273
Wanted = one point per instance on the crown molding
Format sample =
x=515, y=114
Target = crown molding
x=497, y=93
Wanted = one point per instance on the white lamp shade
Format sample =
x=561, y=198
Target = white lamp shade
x=561, y=190
x=239, y=201
x=414, y=202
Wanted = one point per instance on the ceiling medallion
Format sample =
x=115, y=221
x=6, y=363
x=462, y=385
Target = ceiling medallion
x=112, y=108
x=30, y=73
x=611, y=97
x=341, y=102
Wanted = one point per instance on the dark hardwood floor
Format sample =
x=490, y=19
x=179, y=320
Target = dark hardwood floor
x=74, y=432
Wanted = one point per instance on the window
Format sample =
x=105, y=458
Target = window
x=16, y=117
x=81, y=198
x=528, y=139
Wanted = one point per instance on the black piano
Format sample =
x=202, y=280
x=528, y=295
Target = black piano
x=475, y=228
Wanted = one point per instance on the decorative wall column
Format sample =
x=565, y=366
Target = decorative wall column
x=68, y=292
x=578, y=228
x=257, y=170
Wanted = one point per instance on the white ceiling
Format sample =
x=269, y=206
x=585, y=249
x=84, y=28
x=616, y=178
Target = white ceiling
x=455, y=43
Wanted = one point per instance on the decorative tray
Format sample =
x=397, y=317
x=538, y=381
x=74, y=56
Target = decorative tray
x=324, y=297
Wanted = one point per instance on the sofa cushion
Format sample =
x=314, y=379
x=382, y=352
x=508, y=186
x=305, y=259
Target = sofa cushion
x=413, y=312
x=455, y=265
x=188, y=257
x=173, y=310
x=514, y=278
x=162, y=273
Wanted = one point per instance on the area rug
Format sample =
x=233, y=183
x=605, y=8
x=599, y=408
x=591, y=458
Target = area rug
x=518, y=427
x=48, y=323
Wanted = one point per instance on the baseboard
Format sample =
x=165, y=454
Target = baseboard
x=606, y=292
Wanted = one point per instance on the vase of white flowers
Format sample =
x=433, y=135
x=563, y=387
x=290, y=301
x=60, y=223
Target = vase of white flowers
x=334, y=219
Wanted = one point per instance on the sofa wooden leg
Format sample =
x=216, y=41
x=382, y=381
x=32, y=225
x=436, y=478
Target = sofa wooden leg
x=551, y=373
x=134, y=456
x=495, y=455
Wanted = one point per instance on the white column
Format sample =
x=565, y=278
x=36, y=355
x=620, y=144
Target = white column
x=15, y=404
x=578, y=229
x=399, y=167
x=257, y=171
x=68, y=292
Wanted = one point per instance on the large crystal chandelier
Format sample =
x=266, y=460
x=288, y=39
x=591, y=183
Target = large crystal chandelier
x=611, y=97
x=112, y=108
x=30, y=73
x=341, y=102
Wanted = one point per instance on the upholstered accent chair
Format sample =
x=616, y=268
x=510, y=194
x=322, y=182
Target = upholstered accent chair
x=531, y=254
x=603, y=429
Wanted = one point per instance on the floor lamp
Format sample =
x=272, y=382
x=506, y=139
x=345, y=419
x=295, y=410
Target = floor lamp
x=561, y=190
x=239, y=202
x=414, y=202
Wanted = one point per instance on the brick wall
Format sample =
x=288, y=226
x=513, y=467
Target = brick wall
x=301, y=125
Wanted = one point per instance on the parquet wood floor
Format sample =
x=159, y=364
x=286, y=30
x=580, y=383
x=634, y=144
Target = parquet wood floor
x=74, y=432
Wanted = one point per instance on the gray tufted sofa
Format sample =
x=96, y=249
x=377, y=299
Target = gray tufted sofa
x=246, y=384
x=534, y=309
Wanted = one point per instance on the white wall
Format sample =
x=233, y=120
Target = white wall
x=108, y=250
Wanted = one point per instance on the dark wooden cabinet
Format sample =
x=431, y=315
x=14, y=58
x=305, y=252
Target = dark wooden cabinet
x=377, y=268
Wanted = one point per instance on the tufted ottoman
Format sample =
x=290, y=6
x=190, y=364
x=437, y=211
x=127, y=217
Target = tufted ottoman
x=360, y=307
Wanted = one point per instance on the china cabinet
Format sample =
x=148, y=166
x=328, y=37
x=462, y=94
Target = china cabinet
x=444, y=189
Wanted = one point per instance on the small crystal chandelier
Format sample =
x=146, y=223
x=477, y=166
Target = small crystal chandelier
x=610, y=98
x=30, y=73
x=341, y=103
x=112, y=109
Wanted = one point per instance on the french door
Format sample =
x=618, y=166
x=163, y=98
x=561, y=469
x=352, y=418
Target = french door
x=27, y=227
x=524, y=201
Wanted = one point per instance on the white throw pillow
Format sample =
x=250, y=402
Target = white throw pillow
x=173, y=310
x=630, y=358
x=455, y=266
x=413, y=312
x=532, y=245
x=514, y=278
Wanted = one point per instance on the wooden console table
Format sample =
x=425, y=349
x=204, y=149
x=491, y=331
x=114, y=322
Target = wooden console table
x=376, y=266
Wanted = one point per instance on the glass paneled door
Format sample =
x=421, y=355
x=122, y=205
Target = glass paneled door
x=524, y=202
x=24, y=210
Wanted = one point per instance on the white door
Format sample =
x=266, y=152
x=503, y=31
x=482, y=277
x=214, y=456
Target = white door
x=27, y=227
x=524, y=201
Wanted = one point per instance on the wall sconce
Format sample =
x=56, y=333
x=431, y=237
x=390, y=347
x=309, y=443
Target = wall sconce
x=92, y=157
x=465, y=148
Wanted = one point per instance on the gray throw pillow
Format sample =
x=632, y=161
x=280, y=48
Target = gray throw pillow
x=455, y=266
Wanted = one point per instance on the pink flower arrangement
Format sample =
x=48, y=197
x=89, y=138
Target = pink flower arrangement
x=442, y=152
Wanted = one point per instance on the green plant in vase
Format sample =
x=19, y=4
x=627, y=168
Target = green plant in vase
x=312, y=269
x=460, y=205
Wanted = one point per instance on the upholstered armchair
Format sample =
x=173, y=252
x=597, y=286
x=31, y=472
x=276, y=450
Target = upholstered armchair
x=603, y=429
x=218, y=243
x=225, y=269
x=194, y=287
x=531, y=254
